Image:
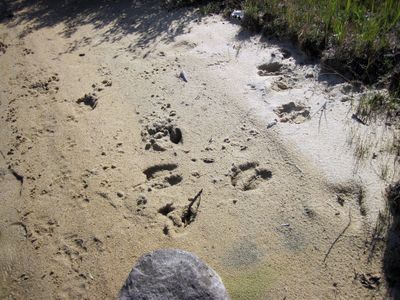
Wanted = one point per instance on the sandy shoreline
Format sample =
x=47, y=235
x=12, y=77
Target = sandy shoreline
x=96, y=181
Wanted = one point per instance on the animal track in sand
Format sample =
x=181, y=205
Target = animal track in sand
x=155, y=71
x=151, y=171
x=248, y=176
x=350, y=193
x=3, y=48
x=45, y=86
x=293, y=113
x=180, y=217
x=174, y=215
x=27, y=51
x=159, y=133
x=40, y=232
x=160, y=175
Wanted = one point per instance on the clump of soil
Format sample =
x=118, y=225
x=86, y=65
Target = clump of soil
x=89, y=100
x=269, y=68
x=293, y=113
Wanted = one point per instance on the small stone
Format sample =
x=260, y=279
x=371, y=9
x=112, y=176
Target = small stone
x=281, y=85
x=120, y=194
x=271, y=124
x=107, y=82
x=268, y=68
x=88, y=99
x=208, y=160
x=284, y=120
x=183, y=76
x=309, y=74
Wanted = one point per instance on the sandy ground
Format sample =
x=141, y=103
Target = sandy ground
x=289, y=201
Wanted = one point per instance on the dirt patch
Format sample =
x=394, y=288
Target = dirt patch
x=293, y=113
x=266, y=69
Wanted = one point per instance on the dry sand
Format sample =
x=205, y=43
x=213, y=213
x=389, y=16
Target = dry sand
x=103, y=186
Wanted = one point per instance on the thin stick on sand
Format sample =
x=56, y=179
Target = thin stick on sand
x=339, y=236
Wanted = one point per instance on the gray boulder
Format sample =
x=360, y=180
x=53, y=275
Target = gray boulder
x=172, y=274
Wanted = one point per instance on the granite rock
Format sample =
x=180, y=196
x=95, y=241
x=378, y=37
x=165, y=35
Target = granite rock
x=172, y=274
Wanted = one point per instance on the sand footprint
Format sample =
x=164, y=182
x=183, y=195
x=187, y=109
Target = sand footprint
x=161, y=176
x=293, y=113
x=248, y=176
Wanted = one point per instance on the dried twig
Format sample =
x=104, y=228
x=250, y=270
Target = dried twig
x=192, y=201
x=339, y=236
x=190, y=213
x=322, y=109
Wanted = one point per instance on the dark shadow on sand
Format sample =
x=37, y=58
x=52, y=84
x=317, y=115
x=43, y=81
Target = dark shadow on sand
x=385, y=243
x=328, y=77
x=149, y=20
x=391, y=257
x=391, y=262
